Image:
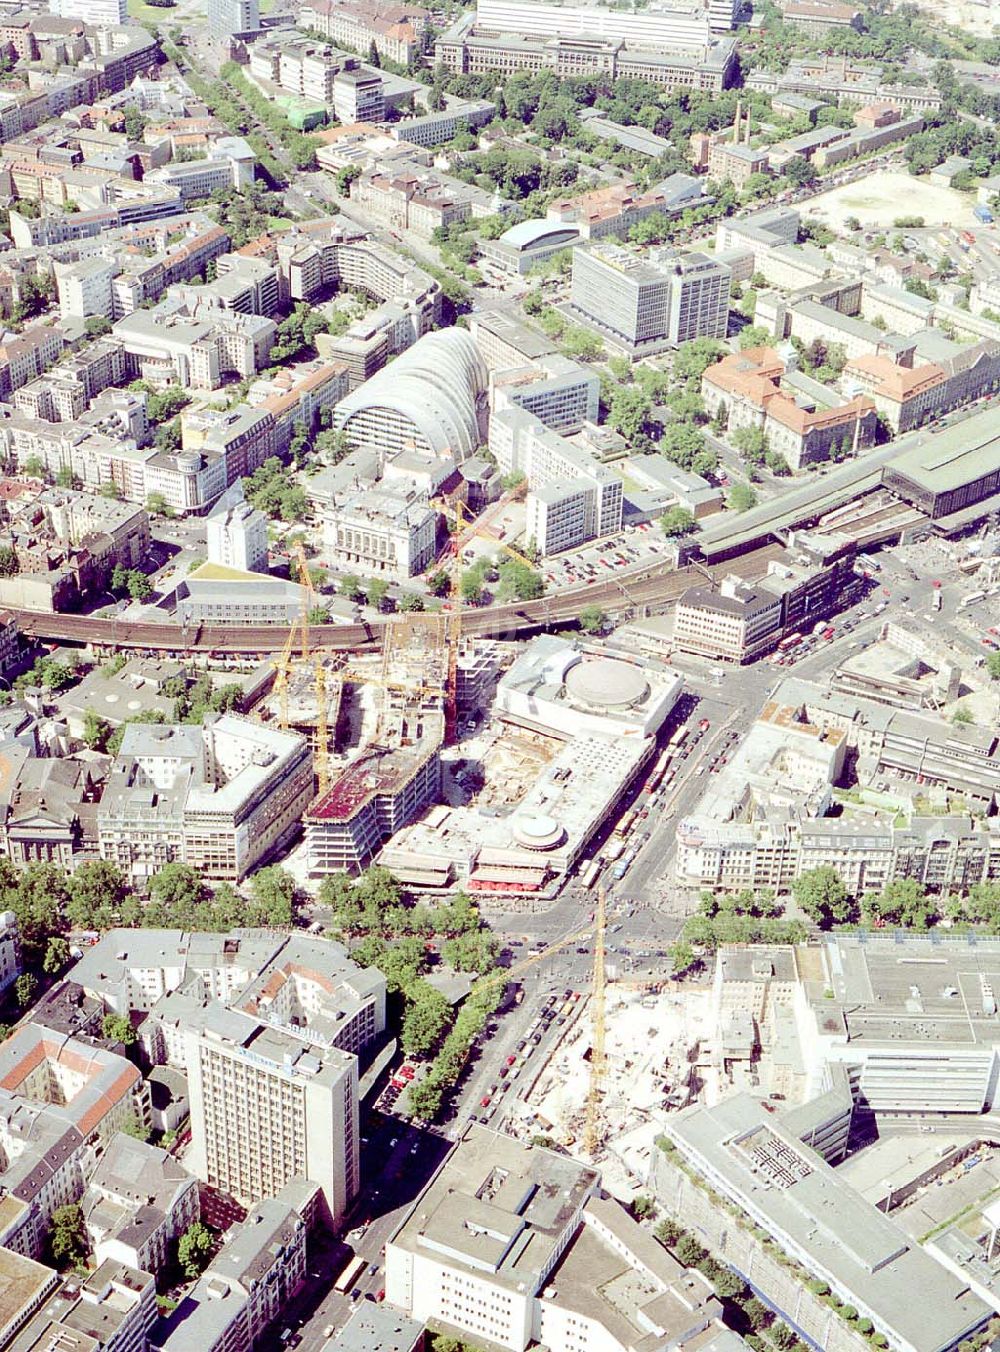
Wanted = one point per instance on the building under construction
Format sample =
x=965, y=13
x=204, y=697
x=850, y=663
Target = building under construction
x=399, y=772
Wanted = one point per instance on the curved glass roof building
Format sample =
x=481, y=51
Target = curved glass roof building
x=427, y=400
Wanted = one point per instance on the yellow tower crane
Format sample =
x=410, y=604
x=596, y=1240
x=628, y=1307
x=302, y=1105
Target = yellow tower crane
x=321, y=748
x=455, y=507
x=592, y=1133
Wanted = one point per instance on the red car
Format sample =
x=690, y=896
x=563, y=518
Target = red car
x=511, y=1060
x=484, y=1102
x=704, y=725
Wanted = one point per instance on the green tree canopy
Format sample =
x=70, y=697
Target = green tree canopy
x=823, y=896
x=194, y=1249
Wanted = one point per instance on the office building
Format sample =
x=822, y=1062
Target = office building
x=511, y=1244
x=741, y=621
x=101, y=14
x=845, y=82
x=572, y=497
x=747, y=1155
x=650, y=302
x=167, y=346
x=220, y=797
x=237, y=534
x=398, y=31
x=378, y=794
x=893, y=1023
x=674, y=46
x=269, y=1106
x=432, y=129
x=737, y=623
x=612, y=211
x=559, y=392
x=228, y=18
x=378, y=1328
x=802, y=419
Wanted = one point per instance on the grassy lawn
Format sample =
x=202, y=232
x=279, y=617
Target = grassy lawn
x=147, y=13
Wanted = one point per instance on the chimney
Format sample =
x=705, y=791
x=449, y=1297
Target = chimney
x=736, y=124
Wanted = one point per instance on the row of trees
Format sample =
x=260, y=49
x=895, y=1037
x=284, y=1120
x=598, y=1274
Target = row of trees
x=394, y=937
x=49, y=903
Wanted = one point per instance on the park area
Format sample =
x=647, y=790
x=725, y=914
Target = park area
x=879, y=199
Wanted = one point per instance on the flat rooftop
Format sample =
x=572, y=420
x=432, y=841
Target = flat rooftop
x=22, y=1283
x=956, y=455
x=498, y=1207
x=789, y=1188
x=939, y=991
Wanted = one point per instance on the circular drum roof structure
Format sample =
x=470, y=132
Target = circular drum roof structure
x=536, y=831
x=426, y=400
x=604, y=683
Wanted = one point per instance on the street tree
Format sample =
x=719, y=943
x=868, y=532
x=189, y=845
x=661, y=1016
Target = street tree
x=273, y=892
x=425, y=1020
x=741, y=498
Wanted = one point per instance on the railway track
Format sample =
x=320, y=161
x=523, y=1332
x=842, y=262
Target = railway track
x=642, y=586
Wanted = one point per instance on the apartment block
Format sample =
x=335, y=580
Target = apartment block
x=111, y=1309
x=295, y=982
x=85, y=288
x=139, y=1201
x=61, y=1100
x=246, y=1288
x=237, y=534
